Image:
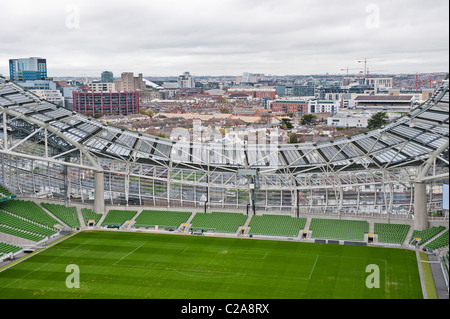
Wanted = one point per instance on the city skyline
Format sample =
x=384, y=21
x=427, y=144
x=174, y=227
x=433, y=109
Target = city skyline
x=81, y=38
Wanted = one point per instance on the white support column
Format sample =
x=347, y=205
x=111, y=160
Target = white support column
x=127, y=182
x=5, y=133
x=341, y=200
x=99, y=196
x=420, y=206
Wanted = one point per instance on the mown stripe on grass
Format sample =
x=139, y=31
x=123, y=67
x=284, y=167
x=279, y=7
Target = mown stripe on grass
x=139, y=265
x=427, y=276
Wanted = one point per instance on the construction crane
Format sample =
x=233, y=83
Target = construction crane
x=423, y=82
x=365, y=70
x=417, y=80
x=348, y=69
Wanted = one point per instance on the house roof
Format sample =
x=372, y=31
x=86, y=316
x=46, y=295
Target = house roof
x=384, y=98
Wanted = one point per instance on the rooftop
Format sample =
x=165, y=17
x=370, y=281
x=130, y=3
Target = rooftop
x=384, y=98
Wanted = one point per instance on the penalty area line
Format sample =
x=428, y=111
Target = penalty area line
x=123, y=257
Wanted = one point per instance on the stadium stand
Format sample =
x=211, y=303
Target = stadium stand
x=5, y=194
x=218, y=222
x=89, y=214
x=338, y=229
x=116, y=218
x=439, y=242
x=67, y=215
x=426, y=234
x=29, y=210
x=164, y=219
x=22, y=224
x=20, y=233
x=8, y=248
x=276, y=225
x=391, y=233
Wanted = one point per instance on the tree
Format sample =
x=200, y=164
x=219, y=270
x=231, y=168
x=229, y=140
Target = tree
x=308, y=119
x=293, y=139
x=147, y=112
x=377, y=120
x=286, y=123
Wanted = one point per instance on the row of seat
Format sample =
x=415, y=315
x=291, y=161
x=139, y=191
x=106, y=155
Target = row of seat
x=276, y=225
x=218, y=221
x=426, y=234
x=150, y=218
x=20, y=233
x=4, y=192
x=29, y=210
x=67, y=215
x=338, y=229
x=118, y=217
x=439, y=242
x=6, y=248
x=7, y=219
x=89, y=214
x=391, y=233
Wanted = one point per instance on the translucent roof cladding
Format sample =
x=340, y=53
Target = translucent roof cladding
x=397, y=142
x=294, y=157
x=445, y=98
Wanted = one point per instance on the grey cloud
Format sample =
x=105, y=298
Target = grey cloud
x=226, y=36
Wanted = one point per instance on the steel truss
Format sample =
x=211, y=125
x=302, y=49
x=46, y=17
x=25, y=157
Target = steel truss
x=49, y=151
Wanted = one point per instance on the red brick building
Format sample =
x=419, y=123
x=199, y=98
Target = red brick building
x=103, y=103
x=255, y=93
x=298, y=108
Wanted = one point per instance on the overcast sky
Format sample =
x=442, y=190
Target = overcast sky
x=226, y=37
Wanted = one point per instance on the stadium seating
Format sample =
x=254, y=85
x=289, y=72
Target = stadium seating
x=165, y=219
x=116, y=218
x=29, y=210
x=89, y=214
x=67, y=215
x=5, y=194
x=219, y=222
x=8, y=248
x=439, y=242
x=20, y=233
x=276, y=225
x=391, y=233
x=426, y=234
x=21, y=224
x=338, y=229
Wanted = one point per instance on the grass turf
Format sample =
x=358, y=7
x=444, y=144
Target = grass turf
x=427, y=276
x=117, y=265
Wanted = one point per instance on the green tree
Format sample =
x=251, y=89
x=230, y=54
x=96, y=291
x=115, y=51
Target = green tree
x=286, y=123
x=293, y=139
x=308, y=119
x=377, y=120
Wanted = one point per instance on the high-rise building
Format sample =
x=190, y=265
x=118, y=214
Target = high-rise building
x=28, y=69
x=186, y=81
x=107, y=77
x=129, y=82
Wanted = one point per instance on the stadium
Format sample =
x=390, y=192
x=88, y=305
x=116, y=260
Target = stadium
x=77, y=191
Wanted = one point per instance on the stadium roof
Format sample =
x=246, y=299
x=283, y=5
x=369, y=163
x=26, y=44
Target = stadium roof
x=408, y=141
x=384, y=98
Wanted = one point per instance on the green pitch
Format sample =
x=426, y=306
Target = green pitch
x=138, y=265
